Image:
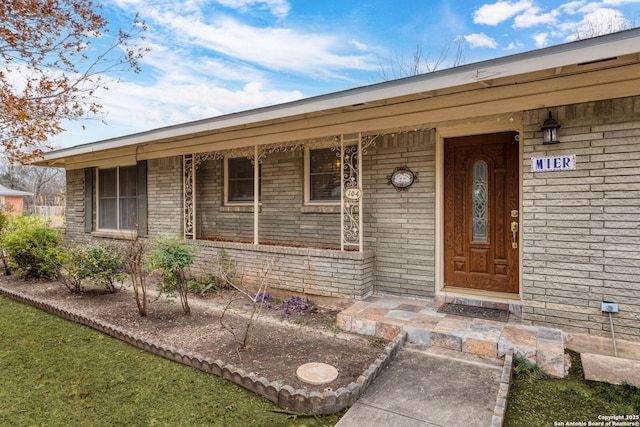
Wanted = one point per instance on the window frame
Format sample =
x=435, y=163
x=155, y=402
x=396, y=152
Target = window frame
x=307, y=178
x=228, y=202
x=119, y=228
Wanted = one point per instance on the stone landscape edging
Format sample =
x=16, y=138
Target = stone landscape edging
x=500, y=408
x=285, y=396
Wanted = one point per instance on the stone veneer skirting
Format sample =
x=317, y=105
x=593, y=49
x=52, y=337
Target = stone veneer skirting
x=285, y=396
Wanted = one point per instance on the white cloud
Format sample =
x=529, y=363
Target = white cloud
x=541, y=39
x=494, y=14
x=602, y=21
x=203, y=63
x=480, y=40
x=177, y=65
x=532, y=17
x=515, y=46
x=359, y=45
x=167, y=102
x=597, y=22
x=275, y=48
x=572, y=7
x=279, y=8
x=214, y=86
x=618, y=2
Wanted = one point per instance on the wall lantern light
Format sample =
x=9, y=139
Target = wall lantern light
x=550, y=131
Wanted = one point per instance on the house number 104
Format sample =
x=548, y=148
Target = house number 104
x=353, y=194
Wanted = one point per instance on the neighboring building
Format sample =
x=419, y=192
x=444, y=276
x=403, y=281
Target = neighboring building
x=12, y=201
x=430, y=186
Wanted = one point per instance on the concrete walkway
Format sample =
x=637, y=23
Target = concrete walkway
x=426, y=386
x=451, y=372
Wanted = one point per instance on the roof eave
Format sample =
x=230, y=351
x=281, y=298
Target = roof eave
x=611, y=45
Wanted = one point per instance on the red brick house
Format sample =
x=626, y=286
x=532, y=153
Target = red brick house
x=12, y=201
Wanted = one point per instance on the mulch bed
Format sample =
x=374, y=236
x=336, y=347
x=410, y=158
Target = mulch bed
x=277, y=345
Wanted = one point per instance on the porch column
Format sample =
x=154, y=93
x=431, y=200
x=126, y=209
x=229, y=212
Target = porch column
x=189, y=195
x=256, y=194
x=351, y=192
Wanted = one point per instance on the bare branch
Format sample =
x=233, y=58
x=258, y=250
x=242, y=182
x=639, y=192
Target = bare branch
x=450, y=55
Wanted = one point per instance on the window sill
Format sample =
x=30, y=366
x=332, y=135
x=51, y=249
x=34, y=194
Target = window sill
x=239, y=208
x=320, y=209
x=115, y=234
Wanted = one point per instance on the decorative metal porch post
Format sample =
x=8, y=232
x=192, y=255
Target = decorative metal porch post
x=189, y=195
x=351, y=192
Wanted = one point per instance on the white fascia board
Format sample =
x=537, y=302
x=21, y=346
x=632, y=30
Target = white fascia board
x=583, y=51
x=10, y=192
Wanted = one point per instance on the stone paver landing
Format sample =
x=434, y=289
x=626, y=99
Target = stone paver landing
x=386, y=316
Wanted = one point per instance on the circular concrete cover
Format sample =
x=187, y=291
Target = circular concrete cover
x=317, y=373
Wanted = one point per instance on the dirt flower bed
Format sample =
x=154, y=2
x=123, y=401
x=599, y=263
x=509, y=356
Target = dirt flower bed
x=277, y=345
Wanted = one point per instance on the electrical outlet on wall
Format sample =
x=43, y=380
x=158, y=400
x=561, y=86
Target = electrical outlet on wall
x=609, y=307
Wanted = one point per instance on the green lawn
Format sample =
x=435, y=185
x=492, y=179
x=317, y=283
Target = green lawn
x=556, y=402
x=57, y=373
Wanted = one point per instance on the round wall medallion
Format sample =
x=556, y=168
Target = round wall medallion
x=402, y=178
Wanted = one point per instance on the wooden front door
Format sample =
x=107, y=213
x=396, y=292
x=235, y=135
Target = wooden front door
x=481, y=218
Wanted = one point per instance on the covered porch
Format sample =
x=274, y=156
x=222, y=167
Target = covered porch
x=297, y=205
x=257, y=194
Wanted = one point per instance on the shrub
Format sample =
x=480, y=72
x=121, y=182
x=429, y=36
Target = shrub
x=203, y=285
x=225, y=271
x=135, y=254
x=73, y=271
x=524, y=368
x=4, y=219
x=3, y=254
x=172, y=256
x=223, y=276
x=33, y=247
x=99, y=263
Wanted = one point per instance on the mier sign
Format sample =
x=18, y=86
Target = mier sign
x=566, y=162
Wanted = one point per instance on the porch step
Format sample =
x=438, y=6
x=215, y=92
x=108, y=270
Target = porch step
x=386, y=316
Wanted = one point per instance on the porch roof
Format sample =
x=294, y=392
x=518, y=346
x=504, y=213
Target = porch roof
x=483, y=74
x=4, y=191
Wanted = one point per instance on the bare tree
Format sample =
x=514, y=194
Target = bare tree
x=48, y=185
x=241, y=336
x=136, y=251
x=422, y=61
x=601, y=23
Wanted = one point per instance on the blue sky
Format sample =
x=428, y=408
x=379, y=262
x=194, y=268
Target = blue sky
x=210, y=57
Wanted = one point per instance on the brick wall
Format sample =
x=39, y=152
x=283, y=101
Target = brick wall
x=74, y=210
x=283, y=217
x=333, y=277
x=13, y=205
x=164, y=195
x=581, y=228
x=400, y=225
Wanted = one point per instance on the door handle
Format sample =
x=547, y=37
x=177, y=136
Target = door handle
x=514, y=232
